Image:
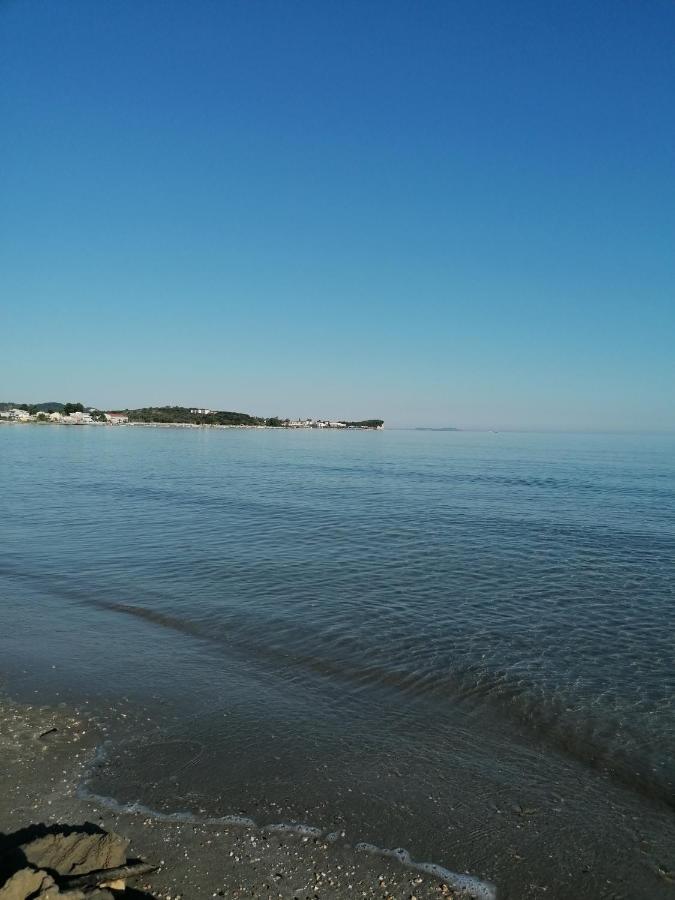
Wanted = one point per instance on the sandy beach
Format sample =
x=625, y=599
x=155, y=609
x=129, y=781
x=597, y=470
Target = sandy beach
x=47, y=753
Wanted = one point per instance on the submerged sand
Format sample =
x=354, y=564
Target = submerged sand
x=46, y=755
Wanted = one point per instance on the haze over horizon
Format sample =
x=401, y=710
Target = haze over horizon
x=449, y=214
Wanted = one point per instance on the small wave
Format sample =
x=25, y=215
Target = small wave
x=175, y=623
x=467, y=886
x=595, y=744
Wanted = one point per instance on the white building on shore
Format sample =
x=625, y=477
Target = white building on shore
x=77, y=418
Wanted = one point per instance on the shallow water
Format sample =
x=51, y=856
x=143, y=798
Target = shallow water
x=459, y=643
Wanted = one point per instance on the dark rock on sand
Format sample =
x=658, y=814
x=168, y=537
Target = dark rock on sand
x=81, y=862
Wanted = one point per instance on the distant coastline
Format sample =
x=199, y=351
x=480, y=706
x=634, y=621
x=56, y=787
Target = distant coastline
x=57, y=413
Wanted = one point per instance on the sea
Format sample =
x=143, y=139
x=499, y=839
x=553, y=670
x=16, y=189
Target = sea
x=457, y=643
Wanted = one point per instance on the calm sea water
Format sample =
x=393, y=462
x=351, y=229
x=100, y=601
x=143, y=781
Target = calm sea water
x=460, y=643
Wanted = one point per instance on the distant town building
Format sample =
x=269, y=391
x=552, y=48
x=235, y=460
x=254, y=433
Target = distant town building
x=200, y=412
x=20, y=414
x=117, y=418
x=55, y=416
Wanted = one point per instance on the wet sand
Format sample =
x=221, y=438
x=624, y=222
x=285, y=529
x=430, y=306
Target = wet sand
x=46, y=754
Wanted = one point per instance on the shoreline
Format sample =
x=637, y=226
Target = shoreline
x=49, y=752
x=192, y=425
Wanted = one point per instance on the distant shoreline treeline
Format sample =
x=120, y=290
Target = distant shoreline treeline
x=182, y=415
x=34, y=408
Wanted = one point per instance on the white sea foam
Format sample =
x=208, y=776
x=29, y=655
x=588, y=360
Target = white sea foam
x=468, y=886
x=293, y=828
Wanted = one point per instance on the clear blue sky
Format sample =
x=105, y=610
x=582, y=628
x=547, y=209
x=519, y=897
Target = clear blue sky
x=443, y=212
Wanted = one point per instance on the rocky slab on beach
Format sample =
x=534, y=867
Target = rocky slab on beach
x=79, y=862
